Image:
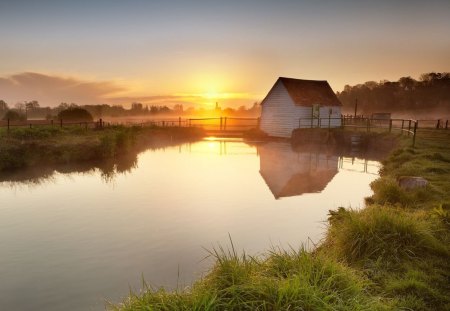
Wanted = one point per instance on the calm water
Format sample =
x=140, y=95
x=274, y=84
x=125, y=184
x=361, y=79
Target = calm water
x=70, y=241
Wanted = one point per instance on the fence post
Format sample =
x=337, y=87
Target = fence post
x=446, y=125
x=409, y=126
x=220, y=123
x=30, y=125
x=86, y=125
x=368, y=125
x=51, y=122
x=403, y=123
x=415, y=130
x=390, y=125
x=179, y=121
x=100, y=122
x=8, y=126
x=225, y=124
x=438, y=124
x=60, y=122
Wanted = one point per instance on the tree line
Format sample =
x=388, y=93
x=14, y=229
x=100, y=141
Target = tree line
x=32, y=110
x=429, y=94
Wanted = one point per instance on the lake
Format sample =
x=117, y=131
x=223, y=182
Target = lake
x=71, y=240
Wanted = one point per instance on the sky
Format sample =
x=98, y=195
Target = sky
x=202, y=52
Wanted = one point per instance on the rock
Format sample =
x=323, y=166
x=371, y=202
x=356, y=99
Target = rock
x=411, y=182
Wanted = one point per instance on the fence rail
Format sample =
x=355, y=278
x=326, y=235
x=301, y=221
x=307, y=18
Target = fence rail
x=224, y=124
x=235, y=126
x=408, y=126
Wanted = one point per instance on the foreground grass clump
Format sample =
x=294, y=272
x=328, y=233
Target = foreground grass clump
x=28, y=147
x=294, y=280
x=384, y=233
x=392, y=255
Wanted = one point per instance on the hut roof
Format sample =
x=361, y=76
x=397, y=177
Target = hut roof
x=301, y=183
x=310, y=92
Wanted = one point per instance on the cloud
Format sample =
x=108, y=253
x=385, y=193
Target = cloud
x=52, y=90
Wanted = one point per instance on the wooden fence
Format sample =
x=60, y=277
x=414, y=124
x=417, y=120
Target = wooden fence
x=236, y=126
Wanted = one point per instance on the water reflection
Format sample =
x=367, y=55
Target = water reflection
x=38, y=175
x=292, y=171
x=288, y=173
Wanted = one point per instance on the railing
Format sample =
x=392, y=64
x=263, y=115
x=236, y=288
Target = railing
x=8, y=124
x=407, y=126
x=211, y=125
x=225, y=124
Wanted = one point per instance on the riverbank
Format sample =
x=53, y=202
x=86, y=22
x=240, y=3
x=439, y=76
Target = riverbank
x=392, y=255
x=44, y=146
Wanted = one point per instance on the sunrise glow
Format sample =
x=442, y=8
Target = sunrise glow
x=226, y=52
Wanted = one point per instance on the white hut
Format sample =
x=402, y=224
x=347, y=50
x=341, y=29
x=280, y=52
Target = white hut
x=296, y=103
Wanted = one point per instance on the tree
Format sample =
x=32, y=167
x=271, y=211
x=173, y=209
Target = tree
x=14, y=116
x=75, y=114
x=31, y=105
x=136, y=106
x=3, y=105
x=19, y=106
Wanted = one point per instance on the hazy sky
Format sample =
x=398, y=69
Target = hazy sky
x=206, y=51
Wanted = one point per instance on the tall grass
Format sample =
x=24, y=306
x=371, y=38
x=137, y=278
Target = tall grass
x=284, y=280
x=384, y=233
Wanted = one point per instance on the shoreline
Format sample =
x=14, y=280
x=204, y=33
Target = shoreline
x=51, y=146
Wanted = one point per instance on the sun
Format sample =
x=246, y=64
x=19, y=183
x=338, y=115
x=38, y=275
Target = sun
x=211, y=94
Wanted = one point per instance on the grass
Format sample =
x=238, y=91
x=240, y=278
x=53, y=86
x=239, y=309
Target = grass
x=285, y=280
x=46, y=145
x=392, y=255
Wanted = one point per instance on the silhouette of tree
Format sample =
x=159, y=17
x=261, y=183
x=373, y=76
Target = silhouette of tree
x=75, y=114
x=431, y=92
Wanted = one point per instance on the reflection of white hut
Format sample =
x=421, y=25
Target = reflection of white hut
x=288, y=173
x=292, y=99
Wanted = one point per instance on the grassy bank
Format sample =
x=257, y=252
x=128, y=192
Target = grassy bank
x=392, y=255
x=39, y=146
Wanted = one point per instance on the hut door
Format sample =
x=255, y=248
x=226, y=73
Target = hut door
x=315, y=115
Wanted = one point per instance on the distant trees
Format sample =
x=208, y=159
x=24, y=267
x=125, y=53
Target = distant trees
x=136, y=107
x=31, y=105
x=33, y=110
x=3, y=108
x=75, y=114
x=431, y=92
x=14, y=115
x=3, y=105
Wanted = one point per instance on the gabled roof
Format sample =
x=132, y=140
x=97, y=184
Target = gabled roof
x=309, y=92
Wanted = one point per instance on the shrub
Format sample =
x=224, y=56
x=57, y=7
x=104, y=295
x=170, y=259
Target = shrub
x=75, y=114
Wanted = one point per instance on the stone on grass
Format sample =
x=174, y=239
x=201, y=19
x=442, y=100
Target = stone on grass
x=411, y=182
